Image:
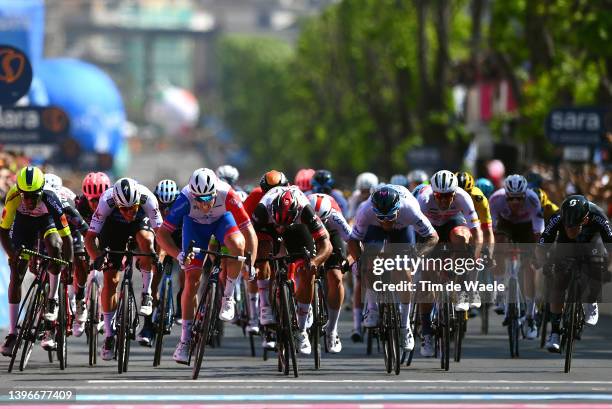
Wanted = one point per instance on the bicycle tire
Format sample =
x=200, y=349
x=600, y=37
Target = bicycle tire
x=460, y=324
x=484, y=316
x=570, y=333
x=205, y=331
x=122, y=334
x=62, y=321
x=445, y=341
x=26, y=328
x=289, y=318
x=544, y=325
x=92, y=325
x=513, y=330
x=369, y=341
x=385, y=337
x=395, y=335
x=160, y=328
x=316, y=326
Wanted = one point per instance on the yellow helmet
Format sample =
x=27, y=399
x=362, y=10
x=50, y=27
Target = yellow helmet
x=465, y=181
x=30, y=179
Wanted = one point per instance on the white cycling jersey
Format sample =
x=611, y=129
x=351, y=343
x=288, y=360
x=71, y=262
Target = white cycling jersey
x=106, y=207
x=337, y=223
x=462, y=205
x=354, y=201
x=410, y=214
x=531, y=210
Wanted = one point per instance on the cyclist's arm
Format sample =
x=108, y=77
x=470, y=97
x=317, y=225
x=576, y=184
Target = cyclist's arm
x=466, y=204
x=422, y=226
x=180, y=208
x=95, y=227
x=7, y=245
x=236, y=207
x=8, y=217
x=537, y=217
x=319, y=234
x=486, y=224
x=55, y=208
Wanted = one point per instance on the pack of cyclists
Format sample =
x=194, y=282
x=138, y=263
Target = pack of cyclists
x=277, y=217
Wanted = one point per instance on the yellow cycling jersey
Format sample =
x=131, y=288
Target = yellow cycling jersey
x=481, y=204
x=49, y=204
x=549, y=209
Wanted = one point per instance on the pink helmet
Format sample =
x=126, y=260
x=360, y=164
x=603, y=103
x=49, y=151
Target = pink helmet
x=303, y=178
x=95, y=184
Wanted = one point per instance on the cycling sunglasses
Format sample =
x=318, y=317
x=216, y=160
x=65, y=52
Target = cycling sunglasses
x=205, y=198
x=449, y=195
x=387, y=217
x=515, y=198
x=32, y=195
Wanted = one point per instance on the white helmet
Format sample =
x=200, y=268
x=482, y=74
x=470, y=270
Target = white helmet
x=126, y=192
x=321, y=204
x=203, y=182
x=166, y=191
x=417, y=176
x=228, y=174
x=515, y=185
x=53, y=182
x=366, y=180
x=444, y=181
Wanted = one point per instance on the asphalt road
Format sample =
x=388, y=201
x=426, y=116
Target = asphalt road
x=229, y=373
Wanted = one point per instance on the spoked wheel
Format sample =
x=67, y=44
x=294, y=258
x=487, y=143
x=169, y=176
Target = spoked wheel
x=315, y=330
x=92, y=324
x=544, y=324
x=569, y=333
x=444, y=331
x=62, y=321
x=395, y=336
x=28, y=330
x=288, y=311
x=205, y=332
x=163, y=321
x=123, y=335
x=514, y=329
x=460, y=328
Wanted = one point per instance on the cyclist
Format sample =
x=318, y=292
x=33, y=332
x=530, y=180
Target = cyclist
x=485, y=186
x=339, y=232
x=387, y=215
x=286, y=212
x=78, y=228
x=303, y=179
x=323, y=182
x=229, y=175
x=549, y=209
x=466, y=182
x=259, y=305
x=128, y=209
x=517, y=217
x=579, y=221
x=30, y=211
x=364, y=186
x=166, y=192
x=206, y=206
x=451, y=211
x=400, y=180
x=94, y=184
x=416, y=177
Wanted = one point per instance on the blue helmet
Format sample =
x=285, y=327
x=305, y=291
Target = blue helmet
x=399, y=180
x=486, y=186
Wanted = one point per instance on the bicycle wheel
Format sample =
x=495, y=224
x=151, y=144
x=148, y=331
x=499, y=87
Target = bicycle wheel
x=460, y=325
x=395, y=335
x=369, y=341
x=163, y=320
x=207, y=326
x=62, y=321
x=385, y=337
x=123, y=335
x=544, y=324
x=315, y=330
x=92, y=323
x=445, y=338
x=28, y=331
x=484, y=316
x=570, y=335
x=513, y=330
x=288, y=311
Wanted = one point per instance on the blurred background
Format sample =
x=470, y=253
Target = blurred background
x=156, y=88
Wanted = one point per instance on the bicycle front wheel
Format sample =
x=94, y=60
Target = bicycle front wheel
x=570, y=335
x=163, y=320
x=204, y=335
x=92, y=323
x=62, y=320
x=123, y=334
x=316, y=326
x=288, y=319
x=29, y=328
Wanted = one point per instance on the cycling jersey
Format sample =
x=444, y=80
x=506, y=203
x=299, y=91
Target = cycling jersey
x=409, y=214
x=227, y=200
x=107, y=208
x=252, y=200
x=531, y=210
x=597, y=224
x=264, y=221
x=75, y=220
x=82, y=205
x=337, y=223
x=462, y=205
x=49, y=204
x=481, y=204
x=549, y=209
x=354, y=202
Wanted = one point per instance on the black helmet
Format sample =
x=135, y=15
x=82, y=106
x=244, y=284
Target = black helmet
x=386, y=201
x=574, y=210
x=285, y=208
x=322, y=181
x=272, y=179
x=465, y=180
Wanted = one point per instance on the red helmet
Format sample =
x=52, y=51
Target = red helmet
x=303, y=179
x=94, y=184
x=285, y=208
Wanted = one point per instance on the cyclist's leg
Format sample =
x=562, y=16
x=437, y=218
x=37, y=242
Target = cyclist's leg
x=264, y=248
x=375, y=236
x=404, y=237
x=558, y=285
x=231, y=237
x=335, y=289
x=145, y=241
x=79, y=281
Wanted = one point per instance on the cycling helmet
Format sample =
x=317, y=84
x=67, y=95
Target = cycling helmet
x=385, y=201
x=303, y=179
x=400, y=180
x=574, y=210
x=515, y=185
x=272, y=179
x=166, y=191
x=465, y=181
x=203, y=182
x=285, y=207
x=53, y=182
x=486, y=186
x=534, y=180
x=228, y=174
x=30, y=179
x=94, y=184
x=366, y=181
x=321, y=204
x=126, y=192
x=322, y=181
x=417, y=176
x=444, y=181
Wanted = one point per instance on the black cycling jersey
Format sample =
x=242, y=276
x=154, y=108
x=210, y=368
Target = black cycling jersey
x=597, y=223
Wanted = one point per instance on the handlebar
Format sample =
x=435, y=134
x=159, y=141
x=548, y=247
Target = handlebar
x=287, y=257
x=29, y=252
